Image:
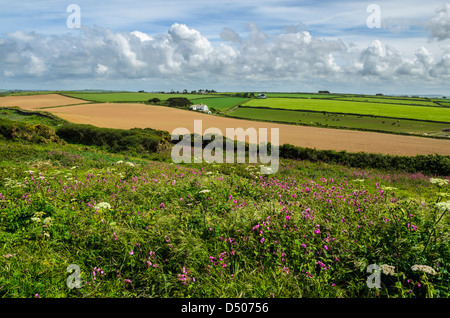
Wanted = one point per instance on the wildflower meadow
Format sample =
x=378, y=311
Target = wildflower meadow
x=140, y=227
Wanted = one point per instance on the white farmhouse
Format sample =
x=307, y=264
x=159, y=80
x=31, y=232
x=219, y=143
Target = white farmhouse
x=200, y=107
x=262, y=96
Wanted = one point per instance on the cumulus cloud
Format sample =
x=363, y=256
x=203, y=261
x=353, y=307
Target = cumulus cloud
x=439, y=26
x=183, y=52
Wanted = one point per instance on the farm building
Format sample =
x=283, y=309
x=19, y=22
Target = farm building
x=262, y=96
x=200, y=107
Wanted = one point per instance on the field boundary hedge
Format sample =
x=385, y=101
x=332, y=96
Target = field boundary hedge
x=427, y=164
x=437, y=165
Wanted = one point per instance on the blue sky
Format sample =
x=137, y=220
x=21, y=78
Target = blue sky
x=227, y=45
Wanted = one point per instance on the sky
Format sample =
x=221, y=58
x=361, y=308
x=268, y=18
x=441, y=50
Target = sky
x=390, y=47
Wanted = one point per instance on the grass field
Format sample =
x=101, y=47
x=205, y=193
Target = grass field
x=390, y=100
x=342, y=121
x=131, y=96
x=220, y=103
x=364, y=108
x=300, y=95
x=216, y=101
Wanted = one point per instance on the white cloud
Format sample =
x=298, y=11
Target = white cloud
x=142, y=36
x=292, y=57
x=439, y=26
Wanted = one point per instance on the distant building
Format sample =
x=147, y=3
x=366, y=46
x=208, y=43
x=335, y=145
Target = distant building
x=200, y=107
x=262, y=96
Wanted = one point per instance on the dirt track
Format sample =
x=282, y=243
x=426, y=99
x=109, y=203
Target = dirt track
x=128, y=116
x=32, y=102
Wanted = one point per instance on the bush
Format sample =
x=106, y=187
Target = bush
x=116, y=140
x=22, y=131
x=178, y=101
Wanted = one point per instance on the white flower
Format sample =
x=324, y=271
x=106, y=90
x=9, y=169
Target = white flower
x=445, y=206
x=387, y=269
x=424, y=268
x=439, y=182
x=47, y=220
x=387, y=188
x=205, y=191
x=359, y=180
x=103, y=205
x=74, y=167
x=130, y=164
x=119, y=162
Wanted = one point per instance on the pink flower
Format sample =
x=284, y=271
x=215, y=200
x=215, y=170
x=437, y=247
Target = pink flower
x=288, y=217
x=131, y=252
x=161, y=205
x=262, y=240
x=325, y=247
x=316, y=231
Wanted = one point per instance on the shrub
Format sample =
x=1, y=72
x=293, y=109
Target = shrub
x=178, y=101
x=116, y=140
x=22, y=131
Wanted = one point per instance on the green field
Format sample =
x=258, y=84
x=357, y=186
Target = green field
x=131, y=96
x=390, y=100
x=220, y=103
x=342, y=121
x=301, y=95
x=363, y=108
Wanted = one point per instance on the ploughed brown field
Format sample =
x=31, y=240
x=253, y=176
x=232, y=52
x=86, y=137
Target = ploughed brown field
x=126, y=116
x=33, y=102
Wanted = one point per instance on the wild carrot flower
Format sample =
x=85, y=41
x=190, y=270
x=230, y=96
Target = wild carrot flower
x=387, y=269
x=424, y=268
x=102, y=205
x=444, y=206
x=439, y=182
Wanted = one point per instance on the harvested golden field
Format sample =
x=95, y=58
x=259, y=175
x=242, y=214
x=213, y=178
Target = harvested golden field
x=126, y=116
x=33, y=102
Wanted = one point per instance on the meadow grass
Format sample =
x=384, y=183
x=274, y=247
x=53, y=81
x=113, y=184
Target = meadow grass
x=142, y=228
x=363, y=108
